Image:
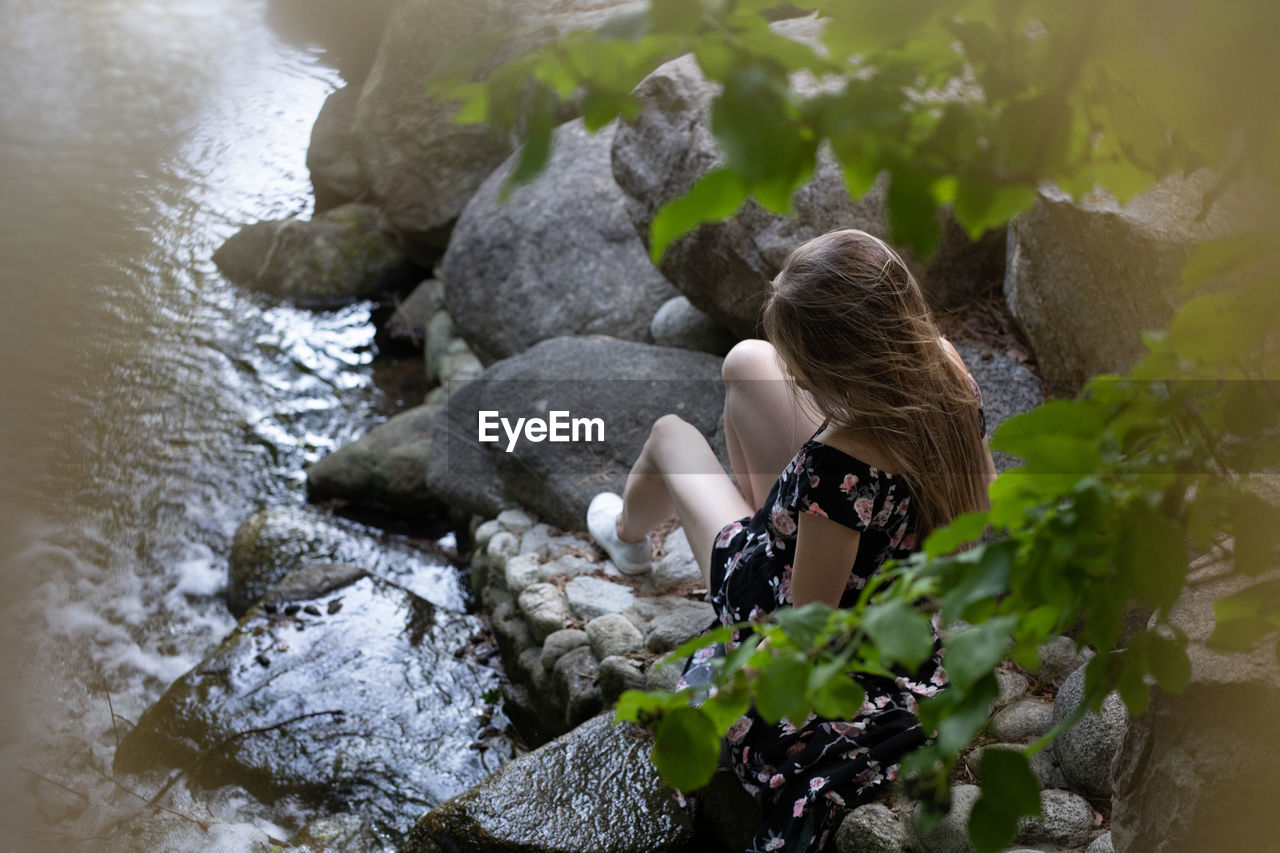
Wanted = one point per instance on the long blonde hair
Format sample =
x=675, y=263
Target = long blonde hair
x=853, y=329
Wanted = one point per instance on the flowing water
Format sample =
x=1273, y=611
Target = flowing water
x=148, y=405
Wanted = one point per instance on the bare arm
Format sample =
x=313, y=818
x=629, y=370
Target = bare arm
x=825, y=552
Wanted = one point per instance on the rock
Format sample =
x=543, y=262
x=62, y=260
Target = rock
x=612, y=634
x=724, y=268
x=732, y=815
x=679, y=625
x=679, y=324
x=386, y=467
x=677, y=567
x=1022, y=720
x=484, y=532
x=275, y=541
x=1085, y=280
x=544, y=608
x=574, y=687
x=515, y=521
x=502, y=546
x=618, y=675
x=331, y=156
x=1197, y=771
x=1101, y=844
x=628, y=385
x=950, y=834
x=408, y=324
x=871, y=828
x=340, y=707
x=1048, y=774
x=1059, y=658
x=1085, y=751
x=1008, y=388
x=560, y=642
x=522, y=571
x=593, y=789
x=341, y=255
x=663, y=677
x=558, y=257
x=1067, y=821
x=1013, y=685
x=418, y=164
x=591, y=597
x=510, y=630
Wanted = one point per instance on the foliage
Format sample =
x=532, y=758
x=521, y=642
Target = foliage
x=972, y=103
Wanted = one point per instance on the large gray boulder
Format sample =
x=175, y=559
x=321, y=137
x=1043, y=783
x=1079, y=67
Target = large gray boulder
x=724, y=268
x=344, y=690
x=331, y=156
x=627, y=385
x=386, y=467
x=1085, y=280
x=590, y=790
x=1197, y=771
x=278, y=540
x=1086, y=750
x=558, y=257
x=339, y=256
x=416, y=163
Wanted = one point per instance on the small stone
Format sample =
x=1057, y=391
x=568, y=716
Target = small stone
x=545, y=609
x=1059, y=658
x=522, y=571
x=871, y=828
x=951, y=833
x=529, y=665
x=618, y=675
x=591, y=597
x=1022, y=720
x=501, y=546
x=569, y=566
x=560, y=642
x=677, y=567
x=1101, y=844
x=510, y=630
x=1013, y=686
x=663, y=677
x=613, y=634
x=678, y=324
x=1067, y=821
x=535, y=540
x=575, y=687
x=1085, y=751
x=679, y=625
x=1042, y=765
x=516, y=521
x=334, y=606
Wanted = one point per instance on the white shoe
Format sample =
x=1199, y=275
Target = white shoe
x=631, y=558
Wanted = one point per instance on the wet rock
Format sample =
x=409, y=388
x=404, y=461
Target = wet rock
x=1197, y=771
x=593, y=789
x=574, y=687
x=1067, y=821
x=618, y=675
x=1022, y=720
x=346, y=832
x=724, y=268
x=331, y=156
x=626, y=384
x=341, y=255
x=613, y=634
x=385, y=468
x=417, y=162
x=678, y=625
x=951, y=833
x=560, y=642
x=1085, y=280
x=558, y=257
x=364, y=705
x=871, y=829
x=1085, y=751
x=590, y=597
x=408, y=324
x=732, y=815
x=678, y=324
x=544, y=608
x=275, y=541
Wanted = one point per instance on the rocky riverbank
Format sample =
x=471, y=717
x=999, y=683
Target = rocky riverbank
x=351, y=678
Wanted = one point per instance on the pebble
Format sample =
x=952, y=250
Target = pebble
x=1067, y=821
x=545, y=609
x=1085, y=751
x=618, y=675
x=1101, y=844
x=678, y=625
x=951, y=833
x=521, y=572
x=871, y=828
x=1022, y=721
x=485, y=532
x=591, y=597
x=501, y=546
x=516, y=521
x=1059, y=658
x=1013, y=686
x=560, y=642
x=613, y=634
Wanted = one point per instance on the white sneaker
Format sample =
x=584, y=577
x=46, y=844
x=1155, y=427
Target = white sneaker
x=631, y=558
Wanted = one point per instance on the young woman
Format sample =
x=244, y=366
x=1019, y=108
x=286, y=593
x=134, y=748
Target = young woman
x=852, y=432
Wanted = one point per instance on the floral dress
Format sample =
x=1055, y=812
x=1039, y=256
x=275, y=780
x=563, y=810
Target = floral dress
x=807, y=775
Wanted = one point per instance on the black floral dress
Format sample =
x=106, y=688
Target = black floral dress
x=807, y=775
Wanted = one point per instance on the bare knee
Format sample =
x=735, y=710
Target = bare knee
x=668, y=429
x=750, y=359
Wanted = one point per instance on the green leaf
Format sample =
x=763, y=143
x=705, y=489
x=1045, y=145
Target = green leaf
x=537, y=140
x=780, y=690
x=716, y=196
x=686, y=749
x=913, y=212
x=962, y=530
x=973, y=653
x=1169, y=664
x=1256, y=525
x=675, y=16
x=1152, y=555
x=641, y=706
x=718, y=634
x=724, y=708
x=900, y=633
x=1009, y=791
x=804, y=625
x=985, y=575
x=838, y=698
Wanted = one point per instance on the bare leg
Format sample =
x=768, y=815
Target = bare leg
x=677, y=473
x=766, y=418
